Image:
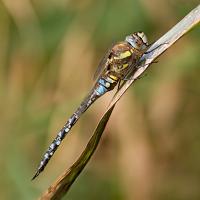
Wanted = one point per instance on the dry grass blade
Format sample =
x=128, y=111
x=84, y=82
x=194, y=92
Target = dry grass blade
x=161, y=45
x=58, y=189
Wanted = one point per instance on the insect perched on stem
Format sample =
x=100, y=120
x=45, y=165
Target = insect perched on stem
x=119, y=62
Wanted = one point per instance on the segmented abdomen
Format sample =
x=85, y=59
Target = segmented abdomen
x=103, y=85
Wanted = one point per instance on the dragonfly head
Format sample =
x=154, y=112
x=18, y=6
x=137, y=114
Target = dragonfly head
x=137, y=40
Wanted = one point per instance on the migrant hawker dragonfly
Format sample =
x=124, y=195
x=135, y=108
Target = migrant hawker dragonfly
x=119, y=62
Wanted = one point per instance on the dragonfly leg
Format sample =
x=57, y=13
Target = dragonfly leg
x=119, y=84
x=147, y=52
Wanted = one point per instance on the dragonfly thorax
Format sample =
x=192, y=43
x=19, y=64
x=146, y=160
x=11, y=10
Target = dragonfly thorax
x=121, y=58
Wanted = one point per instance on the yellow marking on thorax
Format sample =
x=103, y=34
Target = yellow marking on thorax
x=123, y=55
x=113, y=77
x=124, y=66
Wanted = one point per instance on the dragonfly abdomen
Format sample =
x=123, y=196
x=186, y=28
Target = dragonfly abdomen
x=103, y=85
x=56, y=142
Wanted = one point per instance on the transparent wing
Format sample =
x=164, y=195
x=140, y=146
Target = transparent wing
x=102, y=64
x=127, y=76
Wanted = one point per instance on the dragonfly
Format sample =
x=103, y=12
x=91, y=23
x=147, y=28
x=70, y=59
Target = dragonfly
x=118, y=63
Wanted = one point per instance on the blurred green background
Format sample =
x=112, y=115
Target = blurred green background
x=49, y=51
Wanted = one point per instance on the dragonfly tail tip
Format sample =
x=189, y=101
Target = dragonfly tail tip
x=36, y=174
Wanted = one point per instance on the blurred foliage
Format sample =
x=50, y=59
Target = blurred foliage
x=49, y=51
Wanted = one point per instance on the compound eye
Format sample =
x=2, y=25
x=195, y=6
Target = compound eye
x=143, y=37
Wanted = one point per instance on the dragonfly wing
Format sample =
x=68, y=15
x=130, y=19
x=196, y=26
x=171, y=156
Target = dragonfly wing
x=102, y=64
x=130, y=72
x=127, y=76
